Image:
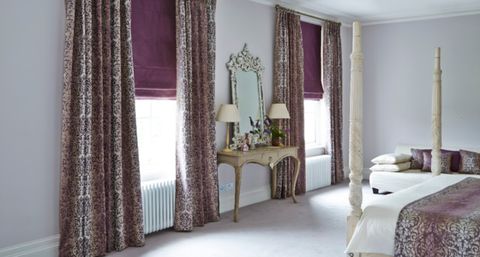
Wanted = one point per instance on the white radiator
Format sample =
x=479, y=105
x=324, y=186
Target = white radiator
x=318, y=172
x=158, y=199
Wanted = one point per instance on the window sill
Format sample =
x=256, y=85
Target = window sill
x=315, y=150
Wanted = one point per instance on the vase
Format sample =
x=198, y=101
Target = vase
x=275, y=141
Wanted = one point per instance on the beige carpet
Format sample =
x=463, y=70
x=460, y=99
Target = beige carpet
x=313, y=227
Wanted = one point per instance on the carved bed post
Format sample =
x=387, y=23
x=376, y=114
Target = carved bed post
x=437, y=115
x=356, y=144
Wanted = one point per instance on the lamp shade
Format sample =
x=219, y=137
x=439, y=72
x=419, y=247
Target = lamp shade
x=278, y=111
x=228, y=113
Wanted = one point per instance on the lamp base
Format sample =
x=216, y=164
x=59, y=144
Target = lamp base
x=227, y=150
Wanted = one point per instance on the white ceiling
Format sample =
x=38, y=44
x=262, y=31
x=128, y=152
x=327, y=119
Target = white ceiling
x=380, y=11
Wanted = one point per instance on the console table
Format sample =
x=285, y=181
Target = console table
x=266, y=156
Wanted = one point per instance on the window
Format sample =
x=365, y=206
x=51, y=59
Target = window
x=156, y=130
x=154, y=60
x=316, y=127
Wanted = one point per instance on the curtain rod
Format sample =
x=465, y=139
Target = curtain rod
x=304, y=14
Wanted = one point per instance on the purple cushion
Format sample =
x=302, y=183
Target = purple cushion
x=470, y=162
x=417, y=158
x=427, y=161
x=445, y=162
x=455, y=165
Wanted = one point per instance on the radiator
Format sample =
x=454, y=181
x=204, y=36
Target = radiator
x=158, y=200
x=318, y=172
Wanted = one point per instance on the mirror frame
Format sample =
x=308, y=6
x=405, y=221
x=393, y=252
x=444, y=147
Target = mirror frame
x=245, y=61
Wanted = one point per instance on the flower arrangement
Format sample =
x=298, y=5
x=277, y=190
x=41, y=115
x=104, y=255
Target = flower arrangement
x=275, y=132
x=261, y=135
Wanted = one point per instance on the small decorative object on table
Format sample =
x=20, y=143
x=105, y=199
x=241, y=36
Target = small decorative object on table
x=277, y=111
x=277, y=135
x=241, y=142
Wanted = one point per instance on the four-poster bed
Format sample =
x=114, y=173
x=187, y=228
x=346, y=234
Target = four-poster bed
x=363, y=241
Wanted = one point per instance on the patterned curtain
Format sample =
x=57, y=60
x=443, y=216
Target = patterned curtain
x=332, y=82
x=100, y=198
x=196, y=200
x=288, y=89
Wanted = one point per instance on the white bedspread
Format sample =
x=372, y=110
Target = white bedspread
x=375, y=232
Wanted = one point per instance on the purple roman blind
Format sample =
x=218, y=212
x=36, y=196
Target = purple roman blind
x=312, y=61
x=154, y=54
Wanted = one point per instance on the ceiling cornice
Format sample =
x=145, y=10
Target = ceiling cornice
x=379, y=21
x=346, y=19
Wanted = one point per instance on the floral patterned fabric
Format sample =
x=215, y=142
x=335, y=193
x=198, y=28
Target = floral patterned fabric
x=446, y=223
x=470, y=162
x=196, y=200
x=445, y=161
x=417, y=158
x=288, y=89
x=455, y=163
x=100, y=197
x=332, y=82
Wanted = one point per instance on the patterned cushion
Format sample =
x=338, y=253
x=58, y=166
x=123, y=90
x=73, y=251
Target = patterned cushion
x=455, y=160
x=417, y=158
x=427, y=161
x=445, y=162
x=470, y=162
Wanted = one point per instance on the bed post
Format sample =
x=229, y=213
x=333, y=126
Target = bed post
x=356, y=144
x=437, y=115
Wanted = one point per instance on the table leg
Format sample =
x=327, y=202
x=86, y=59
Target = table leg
x=238, y=181
x=295, y=177
x=273, y=182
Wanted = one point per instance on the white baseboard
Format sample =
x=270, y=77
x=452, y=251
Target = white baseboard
x=45, y=247
x=48, y=246
x=227, y=200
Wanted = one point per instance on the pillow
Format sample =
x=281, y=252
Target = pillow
x=427, y=161
x=445, y=162
x=470, y=162
x=391, y=167
x=391, y=158
x=455, y=164
x=417, y=158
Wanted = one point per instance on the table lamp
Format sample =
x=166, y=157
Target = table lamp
x=228, y=113
x=278, y=111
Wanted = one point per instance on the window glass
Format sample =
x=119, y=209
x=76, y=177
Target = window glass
x=156, y=128
x=316, y=127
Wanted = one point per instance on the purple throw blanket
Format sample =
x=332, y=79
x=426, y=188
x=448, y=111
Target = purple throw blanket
x=446, y=223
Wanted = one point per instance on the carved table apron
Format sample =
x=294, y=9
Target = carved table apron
x=266, y=156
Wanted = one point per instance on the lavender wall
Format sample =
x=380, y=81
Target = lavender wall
x=398, y=83
x=31, y=68
x=240, y=22
x=31, y=71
